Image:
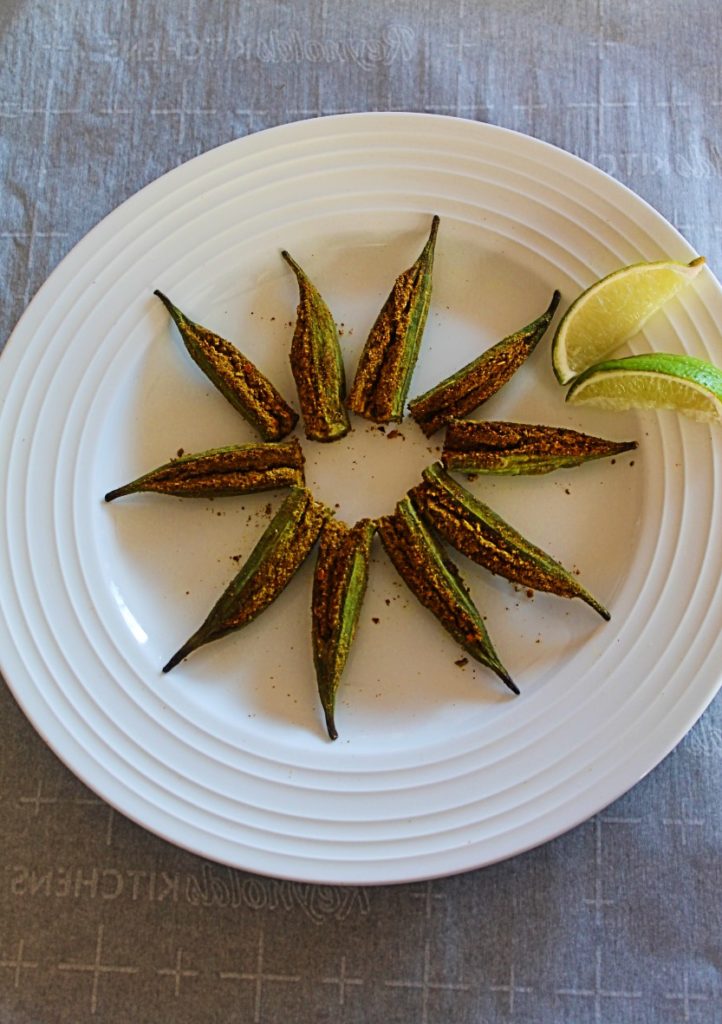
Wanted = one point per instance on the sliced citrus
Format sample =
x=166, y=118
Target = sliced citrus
x=612, y=310
x=656, y=381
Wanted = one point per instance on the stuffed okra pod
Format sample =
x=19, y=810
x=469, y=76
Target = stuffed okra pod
x=236, y=377
x=277, y=556
x=221, y=472
x=317, y=364
x=496, y=446
x=389, y=356
x=433, y=578
x=339, y=586
x=476, y=382
x=478, y=532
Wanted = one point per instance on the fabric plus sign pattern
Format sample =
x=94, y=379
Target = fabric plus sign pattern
x=616, y=922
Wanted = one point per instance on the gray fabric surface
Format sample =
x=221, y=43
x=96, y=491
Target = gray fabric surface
x=618, y=921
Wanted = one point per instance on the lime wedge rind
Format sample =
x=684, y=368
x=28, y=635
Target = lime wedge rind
x=613, y=310
x=659, y=380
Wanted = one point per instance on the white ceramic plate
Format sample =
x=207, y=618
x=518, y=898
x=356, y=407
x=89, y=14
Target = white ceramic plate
x=438, y=769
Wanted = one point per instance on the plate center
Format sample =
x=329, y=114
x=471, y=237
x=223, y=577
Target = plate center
x=369, y=470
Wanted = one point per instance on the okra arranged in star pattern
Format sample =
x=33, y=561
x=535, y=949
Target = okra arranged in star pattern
x=284, y=546
x=317, y=364
x=435, y=518
x=221, y=472
x=498, y=446
x=387, y=362
x=476, y=382
x=475, y=530
x=436, y=582
x=339, y=586
x=236, y=377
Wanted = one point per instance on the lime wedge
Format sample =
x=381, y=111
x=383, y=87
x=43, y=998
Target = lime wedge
x=656, y=381
x=612, y=310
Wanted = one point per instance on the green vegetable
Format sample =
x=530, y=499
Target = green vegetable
x=476, y=382
x=236, y=469
x=478, y=532
x=387, y=362
x=317, y=364
x=339, y=586
x=495, y=446
x=437, y=583
x=236, y=377
x=277, y=556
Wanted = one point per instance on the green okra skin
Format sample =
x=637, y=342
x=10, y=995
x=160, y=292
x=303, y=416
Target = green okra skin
x=498, y=446
x=383, y=375
x=475, y=530
x=476, y=382
x=436, y=582
x=236, y=377
x=284, y=546
x=317, y=364
x=221, y=472
x=339, y=586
